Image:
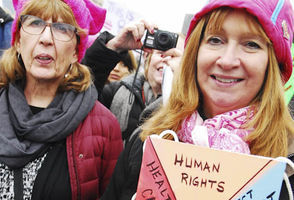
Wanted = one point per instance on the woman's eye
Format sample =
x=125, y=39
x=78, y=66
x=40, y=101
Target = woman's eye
x=214, y=40
x=60, y=28
x=37, y=23
x=252, y=45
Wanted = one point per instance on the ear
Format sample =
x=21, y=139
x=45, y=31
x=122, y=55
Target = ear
x=17, y=46
x=74, y=57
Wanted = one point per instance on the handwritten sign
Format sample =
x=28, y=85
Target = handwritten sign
x=173, y=170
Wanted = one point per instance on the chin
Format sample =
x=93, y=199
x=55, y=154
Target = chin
x=159, y=81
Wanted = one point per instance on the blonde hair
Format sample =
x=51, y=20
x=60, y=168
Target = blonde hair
x=79, y=76
x=272, y=121
x=147, y=64
x=133, y=63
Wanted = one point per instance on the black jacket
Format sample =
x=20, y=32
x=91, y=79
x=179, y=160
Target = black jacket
x=101, y=60
x=123, y=183
x=124, y=180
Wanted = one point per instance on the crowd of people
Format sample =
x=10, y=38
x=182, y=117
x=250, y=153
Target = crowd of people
x=75, y=113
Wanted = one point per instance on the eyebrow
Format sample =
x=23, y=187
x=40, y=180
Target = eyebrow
x=251, y=34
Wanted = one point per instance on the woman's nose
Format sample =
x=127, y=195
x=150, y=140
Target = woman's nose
x=229, y=57
x=46, y=37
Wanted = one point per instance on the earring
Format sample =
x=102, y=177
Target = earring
x=67, y=73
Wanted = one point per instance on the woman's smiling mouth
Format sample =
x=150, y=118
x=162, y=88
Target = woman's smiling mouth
x=226, y=80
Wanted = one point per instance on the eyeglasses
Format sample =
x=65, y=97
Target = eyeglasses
x=36, y=26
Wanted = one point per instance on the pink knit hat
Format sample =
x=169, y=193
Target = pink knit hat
x=89, y=17
x=276, y=18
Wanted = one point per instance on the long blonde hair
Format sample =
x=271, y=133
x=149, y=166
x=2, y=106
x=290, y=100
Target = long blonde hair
x=79, y=76
x=272, y=121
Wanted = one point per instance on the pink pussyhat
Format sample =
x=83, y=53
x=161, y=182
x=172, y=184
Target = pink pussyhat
x=276, y=18
x=88, y=15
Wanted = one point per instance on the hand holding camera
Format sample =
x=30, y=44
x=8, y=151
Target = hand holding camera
x=130, y=36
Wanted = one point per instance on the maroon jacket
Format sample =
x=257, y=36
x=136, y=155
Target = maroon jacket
x=92, y=152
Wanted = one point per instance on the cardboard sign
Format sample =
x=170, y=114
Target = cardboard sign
x=173, y=170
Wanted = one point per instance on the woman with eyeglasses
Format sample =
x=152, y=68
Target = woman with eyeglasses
x=56, y=140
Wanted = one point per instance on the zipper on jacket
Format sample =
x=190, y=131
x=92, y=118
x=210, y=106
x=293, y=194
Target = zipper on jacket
x=75, y=168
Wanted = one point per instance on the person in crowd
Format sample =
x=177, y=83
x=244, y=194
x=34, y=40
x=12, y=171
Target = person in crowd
x=236, y=59
x=5, y=30
x=128, y=97
x=124, y=68
x=56, y=139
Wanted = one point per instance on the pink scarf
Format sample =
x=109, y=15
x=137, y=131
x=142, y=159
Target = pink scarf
x=221, y=132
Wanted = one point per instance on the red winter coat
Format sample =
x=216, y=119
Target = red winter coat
x=92, y=152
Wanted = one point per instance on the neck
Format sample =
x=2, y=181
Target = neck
x=211, y=110
x=40, y=94
x=156, y=89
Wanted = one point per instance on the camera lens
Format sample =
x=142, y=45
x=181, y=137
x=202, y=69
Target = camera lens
x=164, y=40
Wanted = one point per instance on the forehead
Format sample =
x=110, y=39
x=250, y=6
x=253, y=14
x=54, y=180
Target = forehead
x=50, y=10
x=218, y=18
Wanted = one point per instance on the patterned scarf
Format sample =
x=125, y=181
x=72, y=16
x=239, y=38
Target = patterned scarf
x=223, y=132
